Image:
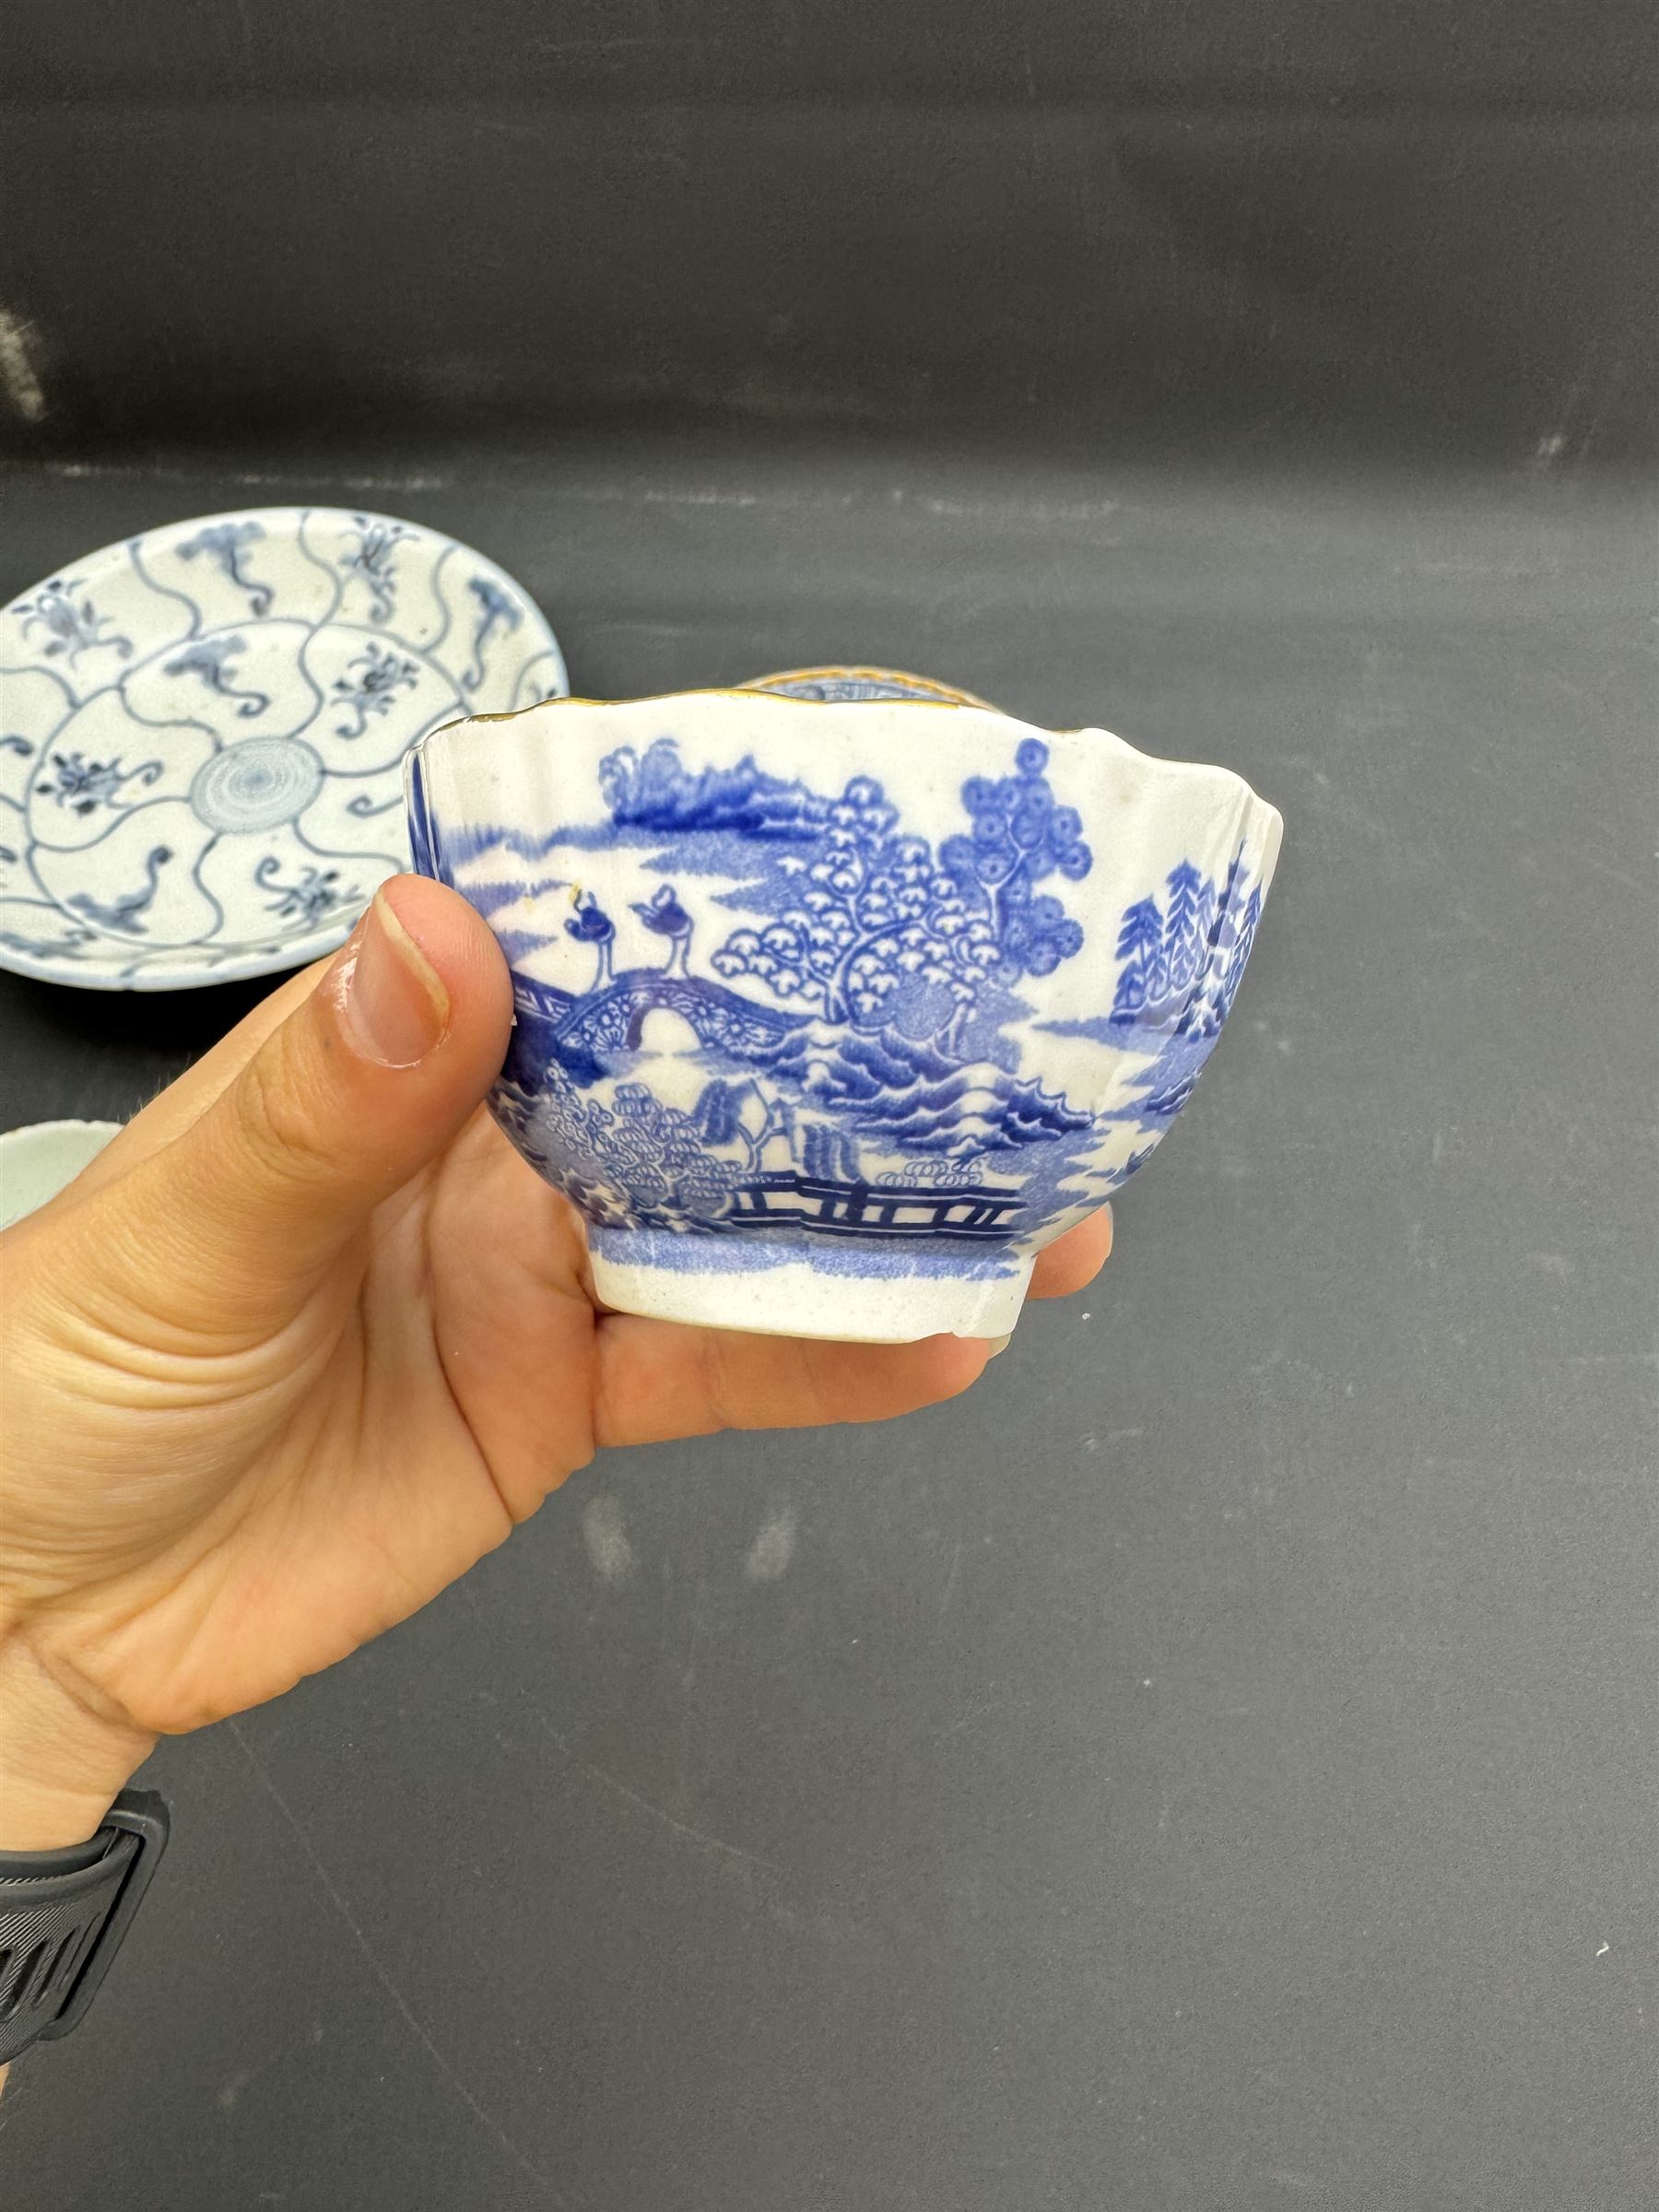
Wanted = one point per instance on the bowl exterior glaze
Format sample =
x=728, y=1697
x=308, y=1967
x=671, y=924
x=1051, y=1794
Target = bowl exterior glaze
x=830, y=1016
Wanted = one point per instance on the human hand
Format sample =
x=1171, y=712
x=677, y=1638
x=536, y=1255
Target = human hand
x=308, y=1340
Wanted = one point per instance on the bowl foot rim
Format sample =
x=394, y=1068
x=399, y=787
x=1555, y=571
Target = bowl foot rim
x=793, y=1297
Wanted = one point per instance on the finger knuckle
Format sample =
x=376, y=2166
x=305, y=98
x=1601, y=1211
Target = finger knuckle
x=278, y=1123
x=819, y=1406
x=721, y=1391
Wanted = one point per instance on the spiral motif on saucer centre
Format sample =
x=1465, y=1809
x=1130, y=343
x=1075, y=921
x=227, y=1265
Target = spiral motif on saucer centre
x=256, y=784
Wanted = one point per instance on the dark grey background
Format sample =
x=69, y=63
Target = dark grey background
x=1213, y=1766
x=1201, y=224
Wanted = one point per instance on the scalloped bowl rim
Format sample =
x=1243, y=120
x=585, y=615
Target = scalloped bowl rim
x=765, y=700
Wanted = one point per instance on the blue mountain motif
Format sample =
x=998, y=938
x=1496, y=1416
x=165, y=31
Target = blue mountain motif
x=914, y=1098
x=656, y=792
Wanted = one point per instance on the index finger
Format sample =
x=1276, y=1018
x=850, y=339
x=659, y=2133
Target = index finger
x=654, y=1380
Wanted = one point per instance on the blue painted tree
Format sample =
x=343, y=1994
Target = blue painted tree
x=744, y=1113
x=1181, y=966
x=771, y=1116
x=828, y=1154
x=866, y=927
x=649, y=1156
x=1188, y=1019
x=1019, y=839
x=716, y=1113
x=872, y=931
x=1244, y=940
x=591, y=925
x=1210, y=994
x=1140, y=946
x=1186, y=926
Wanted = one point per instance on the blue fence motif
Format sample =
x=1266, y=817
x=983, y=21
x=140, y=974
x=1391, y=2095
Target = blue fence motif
x=785, y=1199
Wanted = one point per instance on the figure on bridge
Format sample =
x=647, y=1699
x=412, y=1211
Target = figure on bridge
x=667, y=918
x=591, y=925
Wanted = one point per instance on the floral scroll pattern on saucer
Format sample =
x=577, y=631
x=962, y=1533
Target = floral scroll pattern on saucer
x=202, y=735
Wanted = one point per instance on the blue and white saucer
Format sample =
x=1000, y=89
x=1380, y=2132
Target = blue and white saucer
x=202, y=735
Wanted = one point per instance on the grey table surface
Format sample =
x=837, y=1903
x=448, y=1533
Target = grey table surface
x=1213, y=1765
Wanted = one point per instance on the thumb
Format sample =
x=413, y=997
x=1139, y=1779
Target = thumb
x=366, y=1081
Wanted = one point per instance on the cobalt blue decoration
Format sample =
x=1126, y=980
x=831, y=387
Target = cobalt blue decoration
x=831, y=1013
x=204, y=731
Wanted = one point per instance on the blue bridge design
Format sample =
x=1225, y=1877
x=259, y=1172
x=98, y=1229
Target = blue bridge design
x=614, y=1019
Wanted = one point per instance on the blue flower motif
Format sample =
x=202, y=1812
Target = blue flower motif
x=212, y=659
x=377, y=541
x=123, y=913
x=73, y=626
x=311, y=898
x=372, y=681
x=83, y=786
x=496, y=611
x=224, y=543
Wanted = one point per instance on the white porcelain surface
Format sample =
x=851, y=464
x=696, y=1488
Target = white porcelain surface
x=830, y=1016
x=202, y=731
x=36, y=1162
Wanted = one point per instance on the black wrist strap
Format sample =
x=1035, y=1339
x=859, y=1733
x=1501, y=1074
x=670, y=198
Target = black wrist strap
x=63, y=1914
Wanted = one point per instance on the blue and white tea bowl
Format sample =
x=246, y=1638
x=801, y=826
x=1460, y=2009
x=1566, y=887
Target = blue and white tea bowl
x=832, y=1015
